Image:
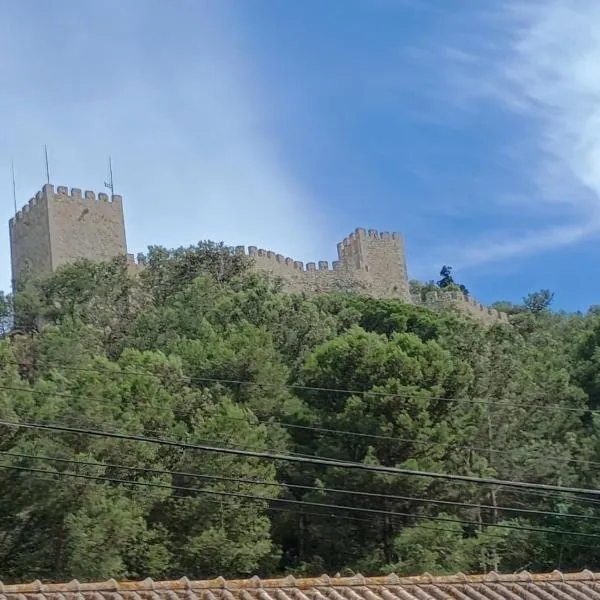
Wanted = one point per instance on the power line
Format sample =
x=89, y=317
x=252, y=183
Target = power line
x=373, y=511
x=306, y=460
x=218, y=502
x=321, y=389
x=296, y=486
x=559, y=495
x=334, y=515
x=304, y=512
x=389, y=438
x=310, y=456
x=294, y=425
x=317, y=429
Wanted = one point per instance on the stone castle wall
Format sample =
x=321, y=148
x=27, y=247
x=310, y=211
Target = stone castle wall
x=30, y=238
x=85, y=226
x=442, y=300
x=368, y=262
x=56, y=228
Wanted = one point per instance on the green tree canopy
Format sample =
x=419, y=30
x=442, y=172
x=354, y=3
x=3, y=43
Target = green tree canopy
x=198, y=349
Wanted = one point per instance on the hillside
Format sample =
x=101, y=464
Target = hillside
x=199, y=353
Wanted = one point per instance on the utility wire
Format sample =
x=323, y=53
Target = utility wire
x=271, y=422
x=373, y=511
x=559, y=495
x=223, y=478
x=316, y=429
x=387, y=438
x=305, y=460
x=240, y=446
x=303, y=512
x=315, y=388
x=333, y=515
x=512, y=491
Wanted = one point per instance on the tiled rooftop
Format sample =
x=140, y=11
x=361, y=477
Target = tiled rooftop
x=522, y=586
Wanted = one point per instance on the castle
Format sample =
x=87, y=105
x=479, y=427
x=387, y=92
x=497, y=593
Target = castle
x=58, y=227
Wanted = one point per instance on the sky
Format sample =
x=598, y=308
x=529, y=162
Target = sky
x=471, y=127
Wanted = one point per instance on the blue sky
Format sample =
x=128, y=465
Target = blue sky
x=471, y=127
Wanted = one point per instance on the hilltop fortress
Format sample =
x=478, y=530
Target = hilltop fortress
x=58, y=227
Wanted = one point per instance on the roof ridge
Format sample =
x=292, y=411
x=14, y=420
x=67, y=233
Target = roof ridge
x=300, y=583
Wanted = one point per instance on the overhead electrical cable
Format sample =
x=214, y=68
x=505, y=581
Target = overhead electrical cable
x=302, y=459
x=223, y=478
x=318, y=429
x=242, y=496
x=354, y=392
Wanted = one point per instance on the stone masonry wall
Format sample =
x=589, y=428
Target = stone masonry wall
x=441, y=300
x=83, y=226
x=382, y=258
x=56, y=228
x=370, y=262
x=30, y=238
x=310, y=278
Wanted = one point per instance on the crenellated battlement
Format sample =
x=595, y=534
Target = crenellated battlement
x=361, y=233
x=444, y=299
x=60, y=225
x=371, y=262
x=265, y=256
x=77, y=194
x=33, y=203
x=368, y=261
x=47, y=193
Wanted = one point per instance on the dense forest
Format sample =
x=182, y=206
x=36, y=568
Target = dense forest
x=117, y=393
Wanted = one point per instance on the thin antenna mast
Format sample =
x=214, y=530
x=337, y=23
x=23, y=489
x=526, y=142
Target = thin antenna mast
x=47, y=167
x=110, y=184
x=12, y=164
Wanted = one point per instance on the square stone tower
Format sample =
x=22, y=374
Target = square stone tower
x=378, y=259
x=56, y=228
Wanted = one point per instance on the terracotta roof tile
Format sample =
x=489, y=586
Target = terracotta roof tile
x=493, y=586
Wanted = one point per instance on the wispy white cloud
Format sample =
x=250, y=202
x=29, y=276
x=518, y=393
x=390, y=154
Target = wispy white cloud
x=180, y=103
x=537, y=60
x=501, y=246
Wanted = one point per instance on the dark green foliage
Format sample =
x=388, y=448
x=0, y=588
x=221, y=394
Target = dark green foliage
x=447, y=281
x=172, y=270
x=199, y=348
x=537, y=302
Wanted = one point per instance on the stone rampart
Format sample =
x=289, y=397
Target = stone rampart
x=369, y=262
x=58, y=227
x=47, y=193
x=441, y=300
x=355, y=271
